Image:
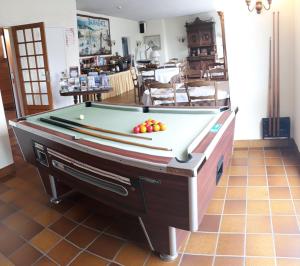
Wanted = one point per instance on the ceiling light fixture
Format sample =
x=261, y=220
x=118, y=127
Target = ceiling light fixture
x=259, y=5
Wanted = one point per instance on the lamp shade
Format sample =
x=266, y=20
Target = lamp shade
x=155, y=54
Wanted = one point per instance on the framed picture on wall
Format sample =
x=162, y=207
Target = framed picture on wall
x=153, y=41
x=93, y=35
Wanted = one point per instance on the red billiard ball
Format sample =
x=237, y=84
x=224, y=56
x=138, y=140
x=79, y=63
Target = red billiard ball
x=136, y=130
x=149, y=129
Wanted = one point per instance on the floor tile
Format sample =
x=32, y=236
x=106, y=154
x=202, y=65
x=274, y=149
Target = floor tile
x=233, y=224
x=192, y=260
x=236, y=193
x=297, y=206
x=279, y=193
x=231, y=244
x=294, y=181
x=239, y=161
x=260, y=261
x=256, y=161
x=98, y=222
x=281, y=207
x=88, y=259
x=257, y=193
x=256, y=170
x=288, y=262
x=275, y=170
x=63, y=252
x=25, y=256
x=287, y=245
x=201, y=243
x=258, y=224
x=9, y=243
x=44, y=261
x=259, y=245
x=45, y=240
x=257, y=180
x=295, y=191
x=273, y=161
x=82, y=236
x=106, y=246
x=47, y=217
x=235, y=207
x=237, y=181
x=63, y=226
x=215, y=207
x=277, y=181
x=292, y=170
x=258, y=207
x=219, y=193
x=210, y=223
x=285, y=225
x=226, y=261
x=77, y=213
x=238, y=170
x=132, y=255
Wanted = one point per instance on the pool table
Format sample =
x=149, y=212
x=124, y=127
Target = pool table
x=166, y=182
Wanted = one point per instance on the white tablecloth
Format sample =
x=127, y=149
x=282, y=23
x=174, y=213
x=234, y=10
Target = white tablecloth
x=181, y=96
x=164, y=75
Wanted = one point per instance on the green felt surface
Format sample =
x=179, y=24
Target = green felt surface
x=183, y=125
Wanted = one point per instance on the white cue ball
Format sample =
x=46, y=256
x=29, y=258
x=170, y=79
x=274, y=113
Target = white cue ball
x=81, y=117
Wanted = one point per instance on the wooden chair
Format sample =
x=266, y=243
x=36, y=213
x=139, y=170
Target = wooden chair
x=147, y=76
x=190, y=74
x=193, y=90
x=163, y=93
x=136, y=85
x=217, y=73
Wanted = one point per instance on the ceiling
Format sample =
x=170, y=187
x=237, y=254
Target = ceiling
x=141, y=10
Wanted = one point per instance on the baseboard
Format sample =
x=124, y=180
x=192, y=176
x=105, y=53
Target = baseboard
x=8, y=170
x=265, y=143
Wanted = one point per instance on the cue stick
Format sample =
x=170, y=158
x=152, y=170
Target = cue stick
x=52, y=122
x=270, y=86
x=96, y=128
x=274, y=80
x=278, y=78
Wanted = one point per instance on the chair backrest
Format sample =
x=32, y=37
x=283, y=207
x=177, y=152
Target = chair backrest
x=162, y=93
x=134, y=76
x=190, y=74
x=217, y=73
x=201, y=90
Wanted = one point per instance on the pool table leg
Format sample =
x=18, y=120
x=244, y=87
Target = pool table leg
x=161, y=238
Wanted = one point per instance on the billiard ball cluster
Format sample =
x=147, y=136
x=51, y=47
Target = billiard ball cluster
x=149, y=126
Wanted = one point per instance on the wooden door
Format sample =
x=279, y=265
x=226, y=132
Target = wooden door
x=5, y=79
x=31, y=53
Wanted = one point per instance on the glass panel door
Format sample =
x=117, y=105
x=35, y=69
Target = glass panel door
x=30, y=45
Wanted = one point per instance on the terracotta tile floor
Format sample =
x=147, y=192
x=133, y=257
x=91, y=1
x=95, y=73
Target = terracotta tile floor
x=253, y=219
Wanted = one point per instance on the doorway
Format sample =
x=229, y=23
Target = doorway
x=125, y=46
x=6, y=85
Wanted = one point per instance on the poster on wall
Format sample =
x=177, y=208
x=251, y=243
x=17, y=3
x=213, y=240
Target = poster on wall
x=93, y=36
x=153, y=42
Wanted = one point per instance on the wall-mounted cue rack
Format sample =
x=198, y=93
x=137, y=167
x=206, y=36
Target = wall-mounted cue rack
x=275, y=126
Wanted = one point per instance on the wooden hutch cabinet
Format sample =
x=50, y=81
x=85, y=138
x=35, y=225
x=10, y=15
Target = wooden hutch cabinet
x=201, y=44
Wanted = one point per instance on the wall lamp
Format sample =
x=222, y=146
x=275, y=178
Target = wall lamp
x=259, y=5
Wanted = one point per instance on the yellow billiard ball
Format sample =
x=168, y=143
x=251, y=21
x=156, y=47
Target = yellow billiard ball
x=81, y=117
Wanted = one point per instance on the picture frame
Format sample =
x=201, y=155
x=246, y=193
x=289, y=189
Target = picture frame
x=93, y=35
x=153, y=41
x=74, y=72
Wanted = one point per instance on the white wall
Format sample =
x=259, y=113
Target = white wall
x=297, y=72
x=5, y=150
x=247, y=38
x=58, y=16
x=120, y=27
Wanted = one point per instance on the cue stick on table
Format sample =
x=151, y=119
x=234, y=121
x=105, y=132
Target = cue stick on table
x=96, y=128
x=52, y=122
